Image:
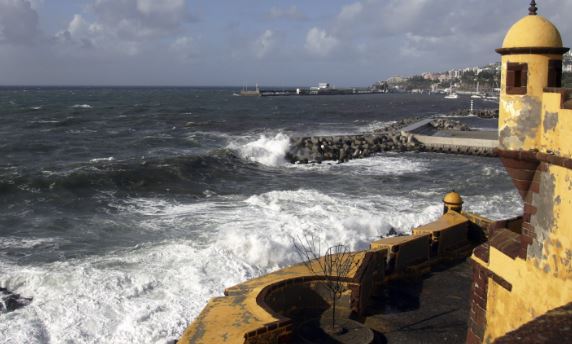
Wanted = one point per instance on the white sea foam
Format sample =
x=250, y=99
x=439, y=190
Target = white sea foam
x=495, y=207
x=266, y=150
x=375, y=125
x=386, y=164
x=44, y=122
x=151, y=292
x=102, y=159
x=82, y=106
x=36, y=108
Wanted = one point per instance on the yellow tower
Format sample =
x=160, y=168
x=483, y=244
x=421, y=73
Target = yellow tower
x=523, y=274
x=531, y=60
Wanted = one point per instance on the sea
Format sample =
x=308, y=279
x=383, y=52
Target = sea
x=124, y=210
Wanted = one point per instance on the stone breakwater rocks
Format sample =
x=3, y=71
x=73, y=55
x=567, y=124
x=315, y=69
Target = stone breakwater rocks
x=448, y=124
x=482, y=113
x=316, y=149
x=343, y=148
x=10, y=302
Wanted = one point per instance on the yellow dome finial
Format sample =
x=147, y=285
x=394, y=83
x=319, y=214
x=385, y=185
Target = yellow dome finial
x=453, y=201
x=532, y=9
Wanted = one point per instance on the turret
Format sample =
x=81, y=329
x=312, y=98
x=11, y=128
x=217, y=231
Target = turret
x=531, y=61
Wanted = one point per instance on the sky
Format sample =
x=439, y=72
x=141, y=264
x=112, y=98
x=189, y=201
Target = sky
x=234, y=42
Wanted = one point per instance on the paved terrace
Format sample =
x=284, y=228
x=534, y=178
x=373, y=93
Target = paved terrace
x=431, y=309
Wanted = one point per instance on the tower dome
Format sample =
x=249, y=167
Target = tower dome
x=532, y=34
x=533, y=31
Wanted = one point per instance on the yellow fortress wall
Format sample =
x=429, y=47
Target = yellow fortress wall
x=523, y=272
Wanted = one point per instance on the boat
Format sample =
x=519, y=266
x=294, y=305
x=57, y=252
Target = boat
x=451, y=94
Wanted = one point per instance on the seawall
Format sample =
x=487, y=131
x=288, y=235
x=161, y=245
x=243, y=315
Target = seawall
x=447, y=136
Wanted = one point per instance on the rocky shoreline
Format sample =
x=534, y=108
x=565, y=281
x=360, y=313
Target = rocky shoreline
x=316, y=149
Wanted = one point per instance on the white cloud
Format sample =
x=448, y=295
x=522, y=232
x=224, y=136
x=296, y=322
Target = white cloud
x=349, y=12
x=137, y=19
x=125, y=26
x=18, y=22
x=264, y=44
x=291, y=13
x=320, y=43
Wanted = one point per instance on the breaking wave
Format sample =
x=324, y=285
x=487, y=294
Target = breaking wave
x=150, y=293
x=265, y=150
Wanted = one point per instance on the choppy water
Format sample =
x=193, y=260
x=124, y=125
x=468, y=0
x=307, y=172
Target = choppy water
x=122, y=211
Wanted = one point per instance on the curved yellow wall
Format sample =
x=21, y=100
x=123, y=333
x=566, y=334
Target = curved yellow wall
x=544, y=280
x=520, y=115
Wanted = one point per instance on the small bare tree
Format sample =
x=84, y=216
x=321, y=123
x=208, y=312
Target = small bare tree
x=334, y=266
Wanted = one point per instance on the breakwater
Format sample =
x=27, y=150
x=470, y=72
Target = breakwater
x=481, y=113
x=431, y=135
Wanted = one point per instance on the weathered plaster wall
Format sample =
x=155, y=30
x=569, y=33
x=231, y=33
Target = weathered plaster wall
x=520, y=115
x=556, y=126
x=544, y=280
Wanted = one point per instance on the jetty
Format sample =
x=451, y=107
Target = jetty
x=433, y=134
x=323, y=89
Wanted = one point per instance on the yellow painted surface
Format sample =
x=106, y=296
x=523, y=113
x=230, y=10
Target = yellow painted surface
x=453, y=198
x=533, y=31
x=390, y=242
x=448, y=221
x=520, y=116
x=539, y=284
x=227, y=319
x=556, y=136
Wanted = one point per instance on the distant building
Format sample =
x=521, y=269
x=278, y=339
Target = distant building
x=396, y=80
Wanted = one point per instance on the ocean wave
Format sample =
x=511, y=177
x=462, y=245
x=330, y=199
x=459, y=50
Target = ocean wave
x=375, y=125
x=265, y=150
x=82, y=106
x=150, y=293
x=183, y=174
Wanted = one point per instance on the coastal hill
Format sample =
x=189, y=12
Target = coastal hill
x=465, y=79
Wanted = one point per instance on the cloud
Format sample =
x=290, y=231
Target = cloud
x=290, y=13
x=264, y=44
x=349, y=12
x=125, y=26
x=18, y=22
x=135, y=19
x=184, y=47
x=320, y=43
